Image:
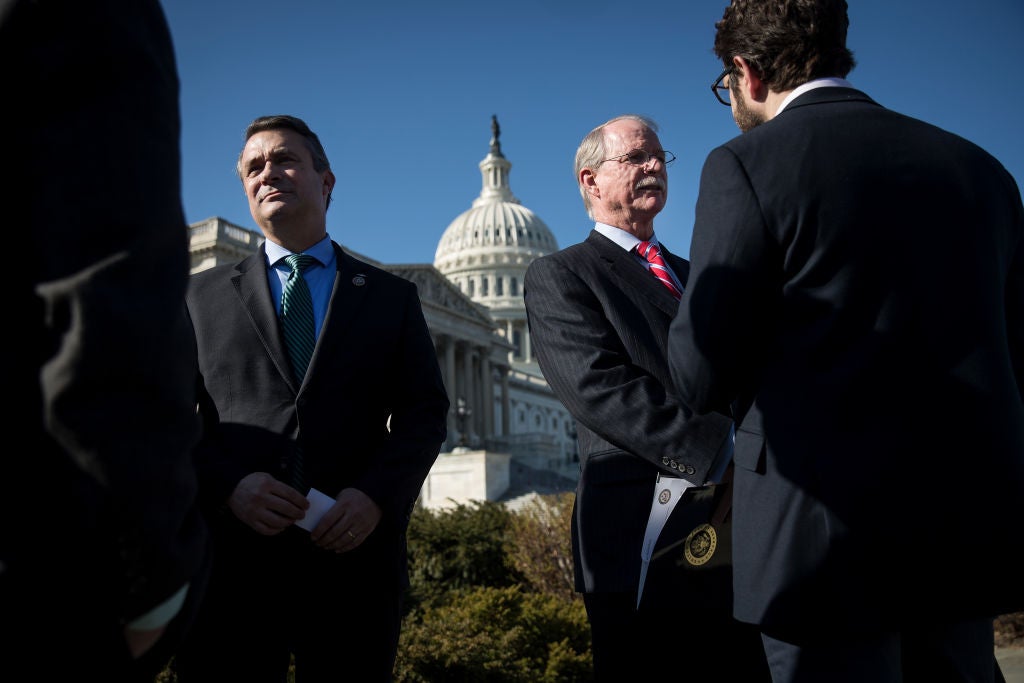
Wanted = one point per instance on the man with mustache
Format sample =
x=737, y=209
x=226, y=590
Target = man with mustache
x=599, y=314
x=352, y=421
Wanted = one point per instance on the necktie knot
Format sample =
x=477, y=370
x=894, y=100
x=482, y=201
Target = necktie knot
x=299, y=262
x=649, y=251
x=659, y=268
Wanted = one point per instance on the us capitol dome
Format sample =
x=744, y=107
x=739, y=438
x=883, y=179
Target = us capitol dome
x=485, y=251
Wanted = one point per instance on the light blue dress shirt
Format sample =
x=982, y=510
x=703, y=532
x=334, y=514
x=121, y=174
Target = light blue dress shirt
x=319, y=277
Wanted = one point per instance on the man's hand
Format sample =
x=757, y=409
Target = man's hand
x=266, y=504
x=347, y=524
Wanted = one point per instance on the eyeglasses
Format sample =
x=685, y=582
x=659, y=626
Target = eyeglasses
x=722, y=91
x=640, y=157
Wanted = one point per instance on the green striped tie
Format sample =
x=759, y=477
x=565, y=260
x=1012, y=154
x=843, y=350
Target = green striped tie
x=297, y=315
x=300, y=336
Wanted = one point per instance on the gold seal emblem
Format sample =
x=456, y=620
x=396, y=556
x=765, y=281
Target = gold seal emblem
x=664, y=496
x=700, y=545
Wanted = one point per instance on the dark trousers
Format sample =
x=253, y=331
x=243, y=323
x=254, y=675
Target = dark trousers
x=957, y=652
x=271, y=598
x=665, y=641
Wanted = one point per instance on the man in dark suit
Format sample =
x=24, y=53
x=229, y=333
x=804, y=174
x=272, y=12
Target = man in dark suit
x=359, y=429
x=103, y=550
x=599, y=314
x=857, y=295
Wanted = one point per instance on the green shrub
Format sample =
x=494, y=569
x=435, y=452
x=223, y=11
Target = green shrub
x=458, y=548
x=496, y=635
x=540, y=548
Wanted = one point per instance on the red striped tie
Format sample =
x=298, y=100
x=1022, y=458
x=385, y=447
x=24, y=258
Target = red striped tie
x=658, y=268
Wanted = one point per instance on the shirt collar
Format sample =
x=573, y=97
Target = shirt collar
x=830, y=82
x=322, y=251
x=626, y=240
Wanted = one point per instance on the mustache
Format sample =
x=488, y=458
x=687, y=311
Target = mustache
x=648, y=181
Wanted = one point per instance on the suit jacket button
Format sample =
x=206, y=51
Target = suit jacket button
x=690, y=470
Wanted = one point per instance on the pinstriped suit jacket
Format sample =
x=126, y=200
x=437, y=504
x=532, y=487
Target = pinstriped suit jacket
x=599, y=327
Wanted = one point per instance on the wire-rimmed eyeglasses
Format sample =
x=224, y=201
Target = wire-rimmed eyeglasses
x=640, y=157
x=721, y=90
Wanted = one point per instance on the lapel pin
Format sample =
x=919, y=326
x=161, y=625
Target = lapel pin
x=359, y=280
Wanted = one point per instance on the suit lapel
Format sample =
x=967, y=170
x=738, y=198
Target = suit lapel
x=352, y=284
x=631, y=273
x=254, y=294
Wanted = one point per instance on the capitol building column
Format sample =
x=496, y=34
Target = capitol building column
x=510, y=335
x=467, y=391
x=487, y=384
x=480, y=414
x=448, y=370
x=505, y=407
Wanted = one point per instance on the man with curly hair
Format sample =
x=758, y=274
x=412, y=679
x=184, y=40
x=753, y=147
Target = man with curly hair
x=856, y=295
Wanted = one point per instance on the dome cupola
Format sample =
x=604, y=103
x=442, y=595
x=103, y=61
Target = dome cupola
x=486, y=249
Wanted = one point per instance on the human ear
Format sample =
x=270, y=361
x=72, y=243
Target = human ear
x=748, y=80
x=328, y=185
x=588, y=181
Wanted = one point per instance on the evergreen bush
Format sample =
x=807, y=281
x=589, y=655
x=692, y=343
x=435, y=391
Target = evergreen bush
x=496, y=635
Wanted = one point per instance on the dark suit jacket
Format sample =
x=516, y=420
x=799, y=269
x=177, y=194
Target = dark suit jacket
x=858, y=290
x=374, y=361
x=99, y=523
x=599, y=325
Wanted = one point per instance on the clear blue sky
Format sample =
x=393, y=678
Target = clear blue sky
x=401, y=93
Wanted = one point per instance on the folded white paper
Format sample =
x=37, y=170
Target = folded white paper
x=319, y=504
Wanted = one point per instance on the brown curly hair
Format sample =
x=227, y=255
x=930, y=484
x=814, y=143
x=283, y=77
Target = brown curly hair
x=788, y=42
